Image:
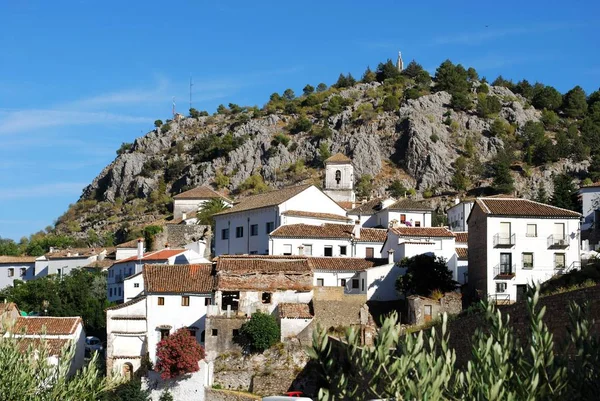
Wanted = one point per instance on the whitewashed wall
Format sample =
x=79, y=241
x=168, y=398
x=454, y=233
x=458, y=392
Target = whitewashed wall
x=247, y=244
x=381, y=283
x=133, y=286
x=6, y=280
x=590, y=201
x=277, y=246
x=457, y=216
x=286, y=220
x=386, y=216
x=292, y=327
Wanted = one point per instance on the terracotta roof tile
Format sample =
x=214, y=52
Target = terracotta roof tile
x=129, y=244
x=54, y=346
x=271, y=198
x=342, y=231
x=422, y=231
x=296, y=311
x=462, y=253
x=409, y=204
x=522, y=208
x=32, y=325
x=262, y=264
x=593, y=185
x=368, y=208
x=73, y=253
x=17, y=259
x=126, y=304
x=193, y=279
x=461, y=236
x=322, y=216
x=346, y=205
x=101, y=264
x=202, y=192
x=344, y=264
x=163, y=254
x=338, y=158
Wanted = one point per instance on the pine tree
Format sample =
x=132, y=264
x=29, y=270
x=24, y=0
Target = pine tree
x=565, y=193
x=541, y=195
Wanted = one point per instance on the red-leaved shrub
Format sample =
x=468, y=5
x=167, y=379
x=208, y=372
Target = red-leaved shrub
x=178, y=354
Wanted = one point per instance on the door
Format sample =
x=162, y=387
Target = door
x=505, y=263
x=504, y=234
x=427, y=313
x=521, y=292
x=559, y=233
x=370, y=253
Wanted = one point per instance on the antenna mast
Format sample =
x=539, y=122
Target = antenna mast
x=173, y=107
x=191, y=84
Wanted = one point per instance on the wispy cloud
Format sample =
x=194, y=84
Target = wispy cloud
x=42, y=191
x=491, y=33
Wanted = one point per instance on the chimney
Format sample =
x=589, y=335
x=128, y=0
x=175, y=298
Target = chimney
x=456, y=201
x=356, y=229
x=183, y=216
x=51, y=249
x=391, y=256
x=167, y=246
x=140, y=248
x=301, y=250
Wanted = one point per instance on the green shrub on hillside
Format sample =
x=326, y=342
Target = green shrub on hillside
x=259, y=333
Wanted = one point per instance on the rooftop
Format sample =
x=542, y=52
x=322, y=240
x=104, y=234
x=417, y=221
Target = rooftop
x=45, y=325
x=346, y=205
x=126, y=304
x=130, y=244
x=202, y=192
x=54, y=346
x=314, y=215
x=341, y=231
x=462, y=253
x=73, y=253
x=193, y=279
x=163, y=254
x=344, y=264
x=461, y=236
x=422, y=232
x=367, y=208
x=17, y=259
x=409, y=204
x=296, y=311
x=338, y=158
x=262, y=264
x=519, y=207
x=271, y=198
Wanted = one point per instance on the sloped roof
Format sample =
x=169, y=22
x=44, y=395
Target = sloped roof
x=262, y=264
x=38, y=325
x=409, y=204
x=461, y=236
x=518, y=207
x=593, y=185
x=101, y=264
x=345, y=205
x=341, y=231
x=271, y=198
x=54, y=346
x=462, y=253
x=202, y=192
x=344, y=264
x=338, y=158
x=367, y=208
x=7, y=307
x=322, y=216
x=73, y=253
x=193, y=279
x=296, y=311
x=163, y=254
x=17, y=259
x=129, y=244
x=422, y=232
x=126, y=304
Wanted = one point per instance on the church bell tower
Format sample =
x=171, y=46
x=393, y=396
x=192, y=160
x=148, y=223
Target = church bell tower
x=339, y=178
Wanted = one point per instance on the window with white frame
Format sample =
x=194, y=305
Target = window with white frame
x=136, y=285
x=343, y=250
x=559, y=261
x=328, y=251
x=527, y=260
x=500, y=288
x=23, y=271
x=287, y=249
x=11, y=272
x=531, y=230
x=307, y=249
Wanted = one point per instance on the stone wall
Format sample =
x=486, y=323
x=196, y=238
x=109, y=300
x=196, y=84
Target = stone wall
x=227, y=395
x=179, y=235
x=556, y=317
x=450, y=303
x=223, y=340
x=335, y=309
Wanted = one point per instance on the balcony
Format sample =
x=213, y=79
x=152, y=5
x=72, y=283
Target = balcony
x=500, y=299
x=504, y=271
x=504, y=240
x=558, y=241
x=572, y=267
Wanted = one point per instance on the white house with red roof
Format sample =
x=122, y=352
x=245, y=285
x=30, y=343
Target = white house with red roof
x=125, y=268
x=189, y=202
x=514, y=242
x=63, y=261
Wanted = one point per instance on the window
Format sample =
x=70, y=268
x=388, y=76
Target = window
x=287, y=249
x=11, y=272
x=230, y=299
x=417, y=224
x=343, y=282
x=428, y=311
x=164, y=333
x=320, y=282
x=225, y=233
x=307, y=249
x=254, y=252
x=500, y=287
x=235, y=332
x=110, y=292
x=185, y=300
x=23, y=272
x=402, y=218
x=161, y=301
x=239, y=232
x=338, y=176
x=362, y=284
x=136, y=285
x=559, y=261
x=203, y=336
x=370, y=253
x=192, y=332
x=354, y=283
x=207, y=301
x=214, y=332
x=270, y=226
x=129, y=271
x=254, y=230
x=328, y=250
x=59, y=272
x=343, y=249
x=120, y=291
x=266, y=297
x=531, y=230
x=527, y=260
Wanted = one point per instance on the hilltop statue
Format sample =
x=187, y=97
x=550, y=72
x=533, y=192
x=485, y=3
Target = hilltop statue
x=400, y=63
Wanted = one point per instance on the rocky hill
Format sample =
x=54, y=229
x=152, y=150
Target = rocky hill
x=394, y=130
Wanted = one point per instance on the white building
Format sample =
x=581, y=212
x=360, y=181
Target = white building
x=128, y=249
x=16, y=268
x=63, y=261
x=407, y=242
x=327, y=240
x=513, y=242
x=462, y=256
x=173, y=297
x=374, y=277
x=458, y=215
x=189, y=202
x=125, y=268
x=53, y=333
x=245, y=228
x=368, y=214
x=339, y=178
x=590, y=205
x=407, y=213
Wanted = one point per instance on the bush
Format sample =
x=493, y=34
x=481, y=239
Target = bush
x=213, y=146
x=461, y=101
x=280, y=139
x=260, y=332
x=302, y=124
x=364, y=187
x=364, y=113
x=397, y=189
x=158, y=123
x=165, y=128
x=255, y=184
x=323, y=132
x=125, y=148
x=391, y=103
x=166, y=396
x=488, y=105
x=174, y=170
x=550, y=119
x=221, y=180
x=178, y=354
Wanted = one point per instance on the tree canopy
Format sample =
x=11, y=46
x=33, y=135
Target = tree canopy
x=259, y=333
x=424, y=274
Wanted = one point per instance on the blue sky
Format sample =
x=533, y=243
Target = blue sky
x=78, y=78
